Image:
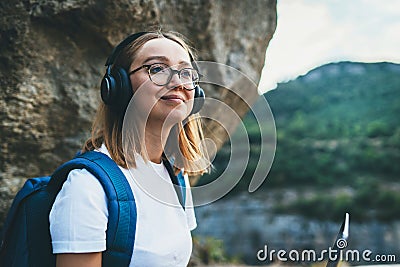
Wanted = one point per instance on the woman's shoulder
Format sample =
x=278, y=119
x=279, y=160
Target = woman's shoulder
x=83, y=184
x=81, y=176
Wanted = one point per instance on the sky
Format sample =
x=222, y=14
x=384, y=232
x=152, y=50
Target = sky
x=311, y=33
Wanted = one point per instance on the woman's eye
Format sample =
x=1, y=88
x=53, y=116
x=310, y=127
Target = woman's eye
x=156, y=69
x=186, y=74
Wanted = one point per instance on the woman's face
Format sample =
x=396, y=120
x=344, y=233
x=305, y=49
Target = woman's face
x=170, y=103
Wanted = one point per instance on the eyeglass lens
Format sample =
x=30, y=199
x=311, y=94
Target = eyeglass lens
x=162, y=75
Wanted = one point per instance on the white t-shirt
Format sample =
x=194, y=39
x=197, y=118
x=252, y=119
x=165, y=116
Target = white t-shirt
x=78, y=219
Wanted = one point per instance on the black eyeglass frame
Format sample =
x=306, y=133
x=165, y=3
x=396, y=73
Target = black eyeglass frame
x=172, y=73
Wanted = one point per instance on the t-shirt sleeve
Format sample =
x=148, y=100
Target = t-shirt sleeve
x=189, y=208
x=78, y=218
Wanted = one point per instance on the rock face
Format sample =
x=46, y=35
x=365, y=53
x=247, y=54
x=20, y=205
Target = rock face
x=52, y=59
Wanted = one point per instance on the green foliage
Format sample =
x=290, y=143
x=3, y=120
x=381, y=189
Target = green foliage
x=209, y=250
x=370, y=201
x=339, y=128
x=378, y=128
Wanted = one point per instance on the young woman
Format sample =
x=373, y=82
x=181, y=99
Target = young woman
x=162, y=122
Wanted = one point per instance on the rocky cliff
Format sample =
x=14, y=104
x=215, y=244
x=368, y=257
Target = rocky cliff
x=52, y=59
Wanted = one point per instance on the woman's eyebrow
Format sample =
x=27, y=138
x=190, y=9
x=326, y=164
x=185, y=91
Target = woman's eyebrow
x=185, y=63
x=164, y=60
x=160, y=58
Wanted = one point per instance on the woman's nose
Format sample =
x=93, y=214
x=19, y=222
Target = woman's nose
x=175, y=82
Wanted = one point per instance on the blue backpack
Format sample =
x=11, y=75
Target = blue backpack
x=26, y=237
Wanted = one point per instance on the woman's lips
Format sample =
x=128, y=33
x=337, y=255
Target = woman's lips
x=173, y=98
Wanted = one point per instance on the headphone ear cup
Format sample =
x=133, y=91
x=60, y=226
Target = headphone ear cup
x=125, y=92
x=107, y=89
x=198, y=101
x=116, y=89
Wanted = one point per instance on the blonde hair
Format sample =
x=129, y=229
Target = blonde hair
x=186, y=138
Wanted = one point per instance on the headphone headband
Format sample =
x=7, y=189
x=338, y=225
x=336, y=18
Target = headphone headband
x=122, y=45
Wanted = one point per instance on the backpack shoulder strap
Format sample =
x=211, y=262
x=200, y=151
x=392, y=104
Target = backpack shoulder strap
x=178, y=181
x=122, y=214
x=182, y=185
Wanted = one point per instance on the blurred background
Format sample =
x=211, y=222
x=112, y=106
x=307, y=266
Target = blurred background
x=332, y=80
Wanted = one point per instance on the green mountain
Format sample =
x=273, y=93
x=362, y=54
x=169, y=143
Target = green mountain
x=338, y=136
x=338, y=126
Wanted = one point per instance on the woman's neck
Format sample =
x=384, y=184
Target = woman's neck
x=155, y=140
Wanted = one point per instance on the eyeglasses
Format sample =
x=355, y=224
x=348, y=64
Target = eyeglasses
x=161, y=74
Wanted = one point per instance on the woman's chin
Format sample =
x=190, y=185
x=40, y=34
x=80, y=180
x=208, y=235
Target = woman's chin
x=176, y=115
